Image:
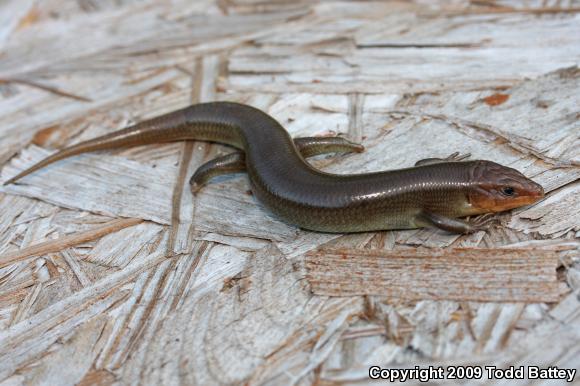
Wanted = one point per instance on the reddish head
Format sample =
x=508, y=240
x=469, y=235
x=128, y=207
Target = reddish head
x=495, y=188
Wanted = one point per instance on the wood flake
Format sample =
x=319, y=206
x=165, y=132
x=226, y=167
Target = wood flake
x=513, y=275
x=65, y=242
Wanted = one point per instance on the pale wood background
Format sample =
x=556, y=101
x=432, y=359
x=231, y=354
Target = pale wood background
x=98, y=286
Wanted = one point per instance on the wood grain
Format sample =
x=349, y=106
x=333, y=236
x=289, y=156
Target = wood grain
x=66, y=242
x=483, y=275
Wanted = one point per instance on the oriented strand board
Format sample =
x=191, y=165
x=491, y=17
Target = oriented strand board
x=111, y=272
x=490, y=275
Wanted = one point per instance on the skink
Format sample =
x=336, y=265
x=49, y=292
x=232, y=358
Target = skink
x=435, y=192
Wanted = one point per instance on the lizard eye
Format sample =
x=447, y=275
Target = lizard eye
x=508, y=191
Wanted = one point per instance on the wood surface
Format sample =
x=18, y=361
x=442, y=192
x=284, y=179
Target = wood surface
x=111, y=272
x=469, y=274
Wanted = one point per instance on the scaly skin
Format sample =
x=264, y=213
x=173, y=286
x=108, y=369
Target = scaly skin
x=432, y=194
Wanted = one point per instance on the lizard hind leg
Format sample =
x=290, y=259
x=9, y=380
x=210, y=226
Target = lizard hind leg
x=236, y=163
x=227, y=164
x=311, y=146
x=454, y=157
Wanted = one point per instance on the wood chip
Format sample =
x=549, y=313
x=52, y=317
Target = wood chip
x=505, y=275
x=66, y=241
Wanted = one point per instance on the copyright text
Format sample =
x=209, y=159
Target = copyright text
x=429, y=373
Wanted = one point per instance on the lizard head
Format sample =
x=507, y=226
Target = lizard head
x=495, y=188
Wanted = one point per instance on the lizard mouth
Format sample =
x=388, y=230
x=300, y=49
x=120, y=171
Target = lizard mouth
x=491, y=203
